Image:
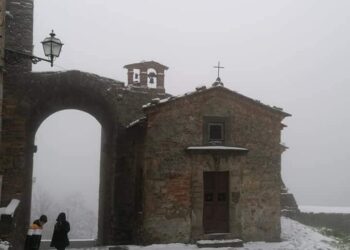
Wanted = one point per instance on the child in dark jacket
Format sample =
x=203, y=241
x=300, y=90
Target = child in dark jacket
x=60, y=234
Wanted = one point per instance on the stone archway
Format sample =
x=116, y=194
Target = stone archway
x=66, y=175
x=30, y=99
x=47, y=94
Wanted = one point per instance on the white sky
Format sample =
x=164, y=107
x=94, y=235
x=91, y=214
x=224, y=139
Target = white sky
x=292, y=54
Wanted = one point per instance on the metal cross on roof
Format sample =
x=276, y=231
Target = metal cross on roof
x=218, y=67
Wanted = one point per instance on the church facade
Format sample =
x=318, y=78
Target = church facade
x=209, y=162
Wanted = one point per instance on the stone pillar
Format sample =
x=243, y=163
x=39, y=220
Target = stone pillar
x=130, y=76
x=160, y=80
x=18, y=36
x=143, y=77
x=19, y=32
x=2, y=54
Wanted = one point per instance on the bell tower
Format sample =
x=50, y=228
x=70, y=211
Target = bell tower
x=148, y=75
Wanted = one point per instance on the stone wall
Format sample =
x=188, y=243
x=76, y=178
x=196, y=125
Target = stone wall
x=18, y=26
x=338, y=222
x=173, y=195
x=2, y=55
x=19, y=33
x=29, y=99
x=169, y=210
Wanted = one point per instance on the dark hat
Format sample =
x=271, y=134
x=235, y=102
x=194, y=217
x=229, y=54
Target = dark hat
x=43, y=218
x=61, y=217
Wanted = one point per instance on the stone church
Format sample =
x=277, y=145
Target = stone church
x=172, y=168
x=209, y=162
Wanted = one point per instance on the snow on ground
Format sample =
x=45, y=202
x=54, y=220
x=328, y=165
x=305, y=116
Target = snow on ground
x=320, y=209
x=295, y=236
x=4, y=245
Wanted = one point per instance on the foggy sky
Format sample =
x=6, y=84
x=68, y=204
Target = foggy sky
x=68, y=157
x=291, y=54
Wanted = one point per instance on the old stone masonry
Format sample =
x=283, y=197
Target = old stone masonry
x=173, y=168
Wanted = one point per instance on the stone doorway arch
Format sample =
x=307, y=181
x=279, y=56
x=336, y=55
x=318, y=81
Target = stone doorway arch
x=52, y=92
x=66, y=175
x=30, y=99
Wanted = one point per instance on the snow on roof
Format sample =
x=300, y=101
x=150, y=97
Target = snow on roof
x=131, y=124
x=216, y=148
x=11, y=207
x=144, y=63
x=171, y=98
x=203, y=88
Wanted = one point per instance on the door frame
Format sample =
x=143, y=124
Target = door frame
x=218, y=178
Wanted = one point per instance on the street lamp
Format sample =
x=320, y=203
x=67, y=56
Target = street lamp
x=52, y=47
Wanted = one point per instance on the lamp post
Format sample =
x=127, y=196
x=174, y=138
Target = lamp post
x=52, y=48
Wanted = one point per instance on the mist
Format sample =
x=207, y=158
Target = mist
x=66, y=171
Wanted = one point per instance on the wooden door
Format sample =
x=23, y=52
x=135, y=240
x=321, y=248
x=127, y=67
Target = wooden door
x=215, y=211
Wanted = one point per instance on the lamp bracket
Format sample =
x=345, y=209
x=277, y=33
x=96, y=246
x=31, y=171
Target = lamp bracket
x=14, y=57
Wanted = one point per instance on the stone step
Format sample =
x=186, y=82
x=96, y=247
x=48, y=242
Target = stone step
x=220, y=243
x=218, y=236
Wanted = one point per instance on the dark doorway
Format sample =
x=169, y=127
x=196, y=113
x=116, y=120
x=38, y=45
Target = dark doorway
x=215, y=211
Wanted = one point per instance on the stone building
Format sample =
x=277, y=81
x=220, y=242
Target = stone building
x=174, y=170
x=209, y=162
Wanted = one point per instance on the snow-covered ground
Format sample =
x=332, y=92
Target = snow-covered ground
x=295, y=236
x=4, y=245
x=321, y=209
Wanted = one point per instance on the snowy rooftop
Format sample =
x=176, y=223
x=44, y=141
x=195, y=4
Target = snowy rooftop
x=202, y=88
x=132, y=124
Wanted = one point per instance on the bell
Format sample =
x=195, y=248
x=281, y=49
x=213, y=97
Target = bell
x=151, y=80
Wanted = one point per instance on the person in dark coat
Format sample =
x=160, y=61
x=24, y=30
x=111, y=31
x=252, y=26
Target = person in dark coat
x=33, y=238
x=60, y=234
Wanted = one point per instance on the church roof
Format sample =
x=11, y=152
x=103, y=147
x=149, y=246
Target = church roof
x=146, y=64
x=202, y=90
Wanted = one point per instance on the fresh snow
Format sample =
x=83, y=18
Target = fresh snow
x=323, y=209
x=11, y=207
x=135, y=122
x=4, y=245
x=295, y=236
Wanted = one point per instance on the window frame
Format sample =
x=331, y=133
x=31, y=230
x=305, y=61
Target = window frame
x=210, y=134
x=226, y=126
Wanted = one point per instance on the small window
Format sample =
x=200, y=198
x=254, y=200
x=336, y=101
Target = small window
x=216, y=132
